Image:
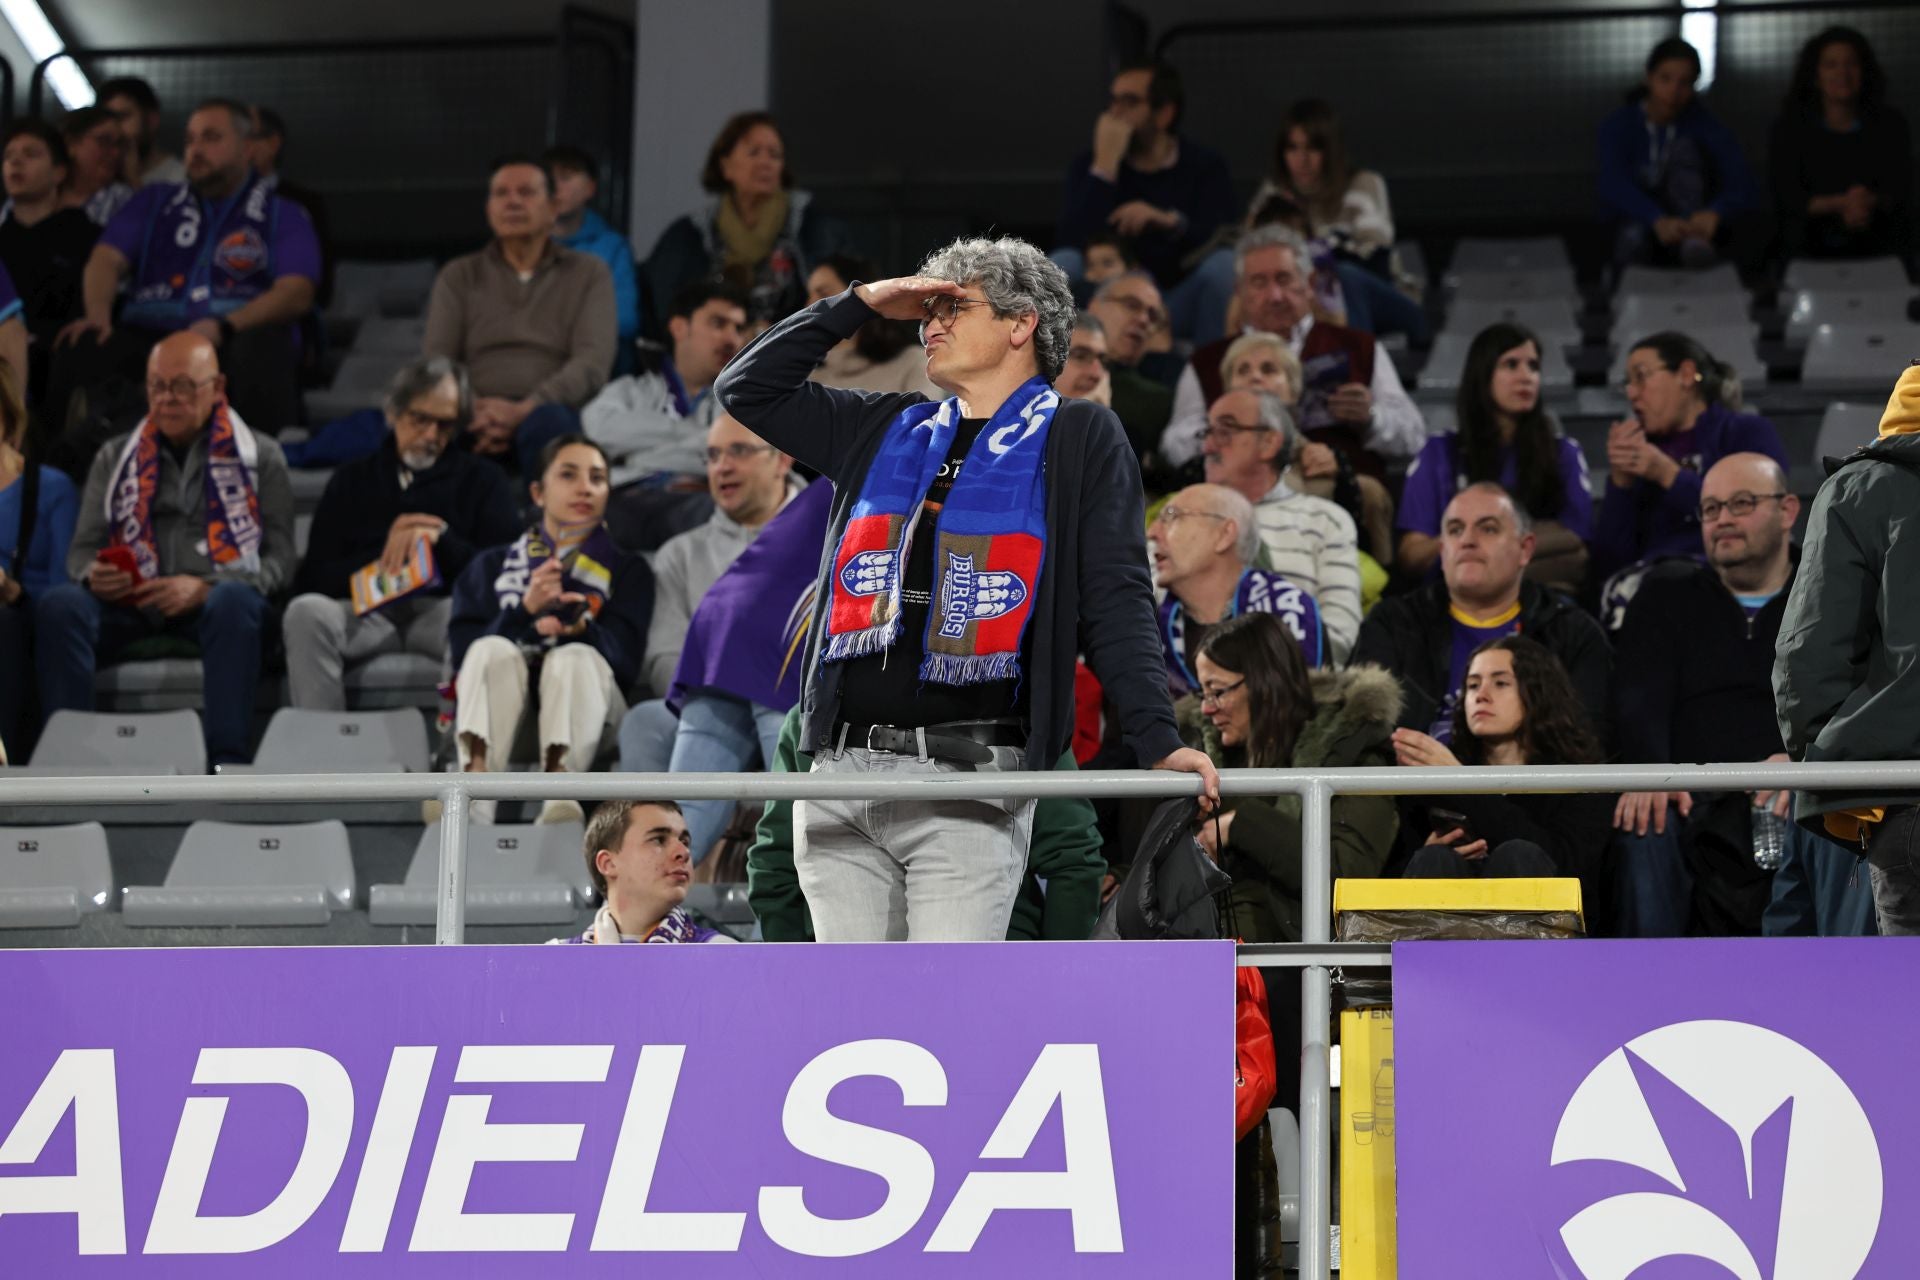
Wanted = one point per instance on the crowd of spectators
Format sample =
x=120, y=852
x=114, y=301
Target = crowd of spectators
x=600, y=505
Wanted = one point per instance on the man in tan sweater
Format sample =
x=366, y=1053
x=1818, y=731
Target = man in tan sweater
x=533, y=321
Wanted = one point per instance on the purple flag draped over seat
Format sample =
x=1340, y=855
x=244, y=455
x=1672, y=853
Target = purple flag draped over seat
x=748, y=637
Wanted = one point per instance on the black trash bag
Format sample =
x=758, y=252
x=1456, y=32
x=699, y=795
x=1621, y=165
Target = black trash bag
x=1173, y=889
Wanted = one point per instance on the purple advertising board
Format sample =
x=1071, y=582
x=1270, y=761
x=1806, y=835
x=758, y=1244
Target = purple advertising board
x=1661, y=1110
x=1032, y=1109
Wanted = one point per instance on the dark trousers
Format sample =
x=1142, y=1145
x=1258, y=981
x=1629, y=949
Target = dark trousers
x=259, y=364
x=1893, y=852
x=1508, y=859
x=76, y=632
x=18, y=727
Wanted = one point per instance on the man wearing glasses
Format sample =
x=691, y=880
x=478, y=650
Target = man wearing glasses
x=380, y=510
x=977, y=545
x=1131, y=313
x=185, y=530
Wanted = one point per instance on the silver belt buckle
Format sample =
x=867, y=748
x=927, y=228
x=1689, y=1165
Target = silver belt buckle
x=873, y=731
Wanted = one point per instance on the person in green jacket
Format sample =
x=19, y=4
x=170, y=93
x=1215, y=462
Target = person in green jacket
x=1261, y=707
x=1846, y=670
x=1058, y=902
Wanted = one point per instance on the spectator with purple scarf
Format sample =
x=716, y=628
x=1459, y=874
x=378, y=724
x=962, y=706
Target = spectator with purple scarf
x=223, y=255
x=185, y=531
x=637, y=857
x=922, y=659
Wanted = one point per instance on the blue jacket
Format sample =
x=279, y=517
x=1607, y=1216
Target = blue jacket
x=596, y=237
x=619, y=631
x=1626, y=152
x=1641, y=520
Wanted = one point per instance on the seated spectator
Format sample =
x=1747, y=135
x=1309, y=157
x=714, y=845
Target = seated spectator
x=533, y=322
x=756, y=231
x=1166, y=194
x=134, y=104
x=1685, y=418
x=1672, y=179
x=1107, y=254
x=637, y=858
x=1518, y=708
x=563, y=606
x=1059, y=899
x=1842, y=158
x=1263, y=362
x=579, y=226
x=185, y=531
x=1505, y=435
x=1426, y=636
x=1250, y=443
x=266, y=152
x=38, y=508
x=1129, y=310
x=1345, y=208
x=1694, y=685
x=1260, y=707
x=1350, y=393
x=223, y=256
x=885, y=355
x=93, y=143
x=44, y=243
x=1086, y=376
x=751, y=482
x=653, y=424
x=1204, y=541
x=376, y=511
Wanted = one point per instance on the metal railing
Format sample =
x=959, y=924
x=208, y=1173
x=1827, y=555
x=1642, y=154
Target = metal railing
x=1316, y=955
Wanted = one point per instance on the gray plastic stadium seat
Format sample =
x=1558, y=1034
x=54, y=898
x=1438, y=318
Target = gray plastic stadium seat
x=720, y=903
x=1552, y=318
x=1543, y=282
x=1859, y=275
x=149, y=684
x=1858, y=359
x=395, y=680
x=51, y=876
x=356, y=288
x=1735, y=345
x=1846, y=309
x=1845, y=427
x=1484, y=256
x=1656, y=281
x=390, y=335
x=240, y=874
x=1449, y=356
x=405, y=288
x=302, y=533
x=299, y=740
x=359, y=383
x=1644, y=314
x=130, y=742
x=308, y=484
x=532, y=873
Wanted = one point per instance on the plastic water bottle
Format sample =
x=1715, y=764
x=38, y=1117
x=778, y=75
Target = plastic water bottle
x=1769, y=838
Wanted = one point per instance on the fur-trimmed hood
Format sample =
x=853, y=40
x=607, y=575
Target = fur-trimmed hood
x=1356, y=710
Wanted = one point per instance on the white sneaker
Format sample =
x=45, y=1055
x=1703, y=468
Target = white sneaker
x=558, y=811
x=482, y=813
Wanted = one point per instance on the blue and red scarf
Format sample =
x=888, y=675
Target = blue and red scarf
x=228, y=478
x=992, y=540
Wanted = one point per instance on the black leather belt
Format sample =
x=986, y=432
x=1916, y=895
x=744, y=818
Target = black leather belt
x=957, y=741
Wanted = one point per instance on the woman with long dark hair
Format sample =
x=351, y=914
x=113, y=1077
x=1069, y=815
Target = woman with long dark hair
x=884, y=355
x=1686, y=417
x=1517, y=707
x=1261, y=707
x=1505, y=435
x=756, y=231
x=1672, y=177
x=1841, y=158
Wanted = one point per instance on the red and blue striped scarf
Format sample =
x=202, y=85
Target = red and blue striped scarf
x=992, y=540
x=232, y=501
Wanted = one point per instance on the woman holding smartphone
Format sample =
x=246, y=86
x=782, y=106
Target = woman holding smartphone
x=1518, y=707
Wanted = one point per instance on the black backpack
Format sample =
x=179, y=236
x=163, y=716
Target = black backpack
x=1173, y=889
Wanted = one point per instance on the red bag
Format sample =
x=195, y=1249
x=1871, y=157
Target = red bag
x=1255, y=1070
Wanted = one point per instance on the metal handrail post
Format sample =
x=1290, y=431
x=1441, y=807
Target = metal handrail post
x=450, y=915
x=1316, y=1004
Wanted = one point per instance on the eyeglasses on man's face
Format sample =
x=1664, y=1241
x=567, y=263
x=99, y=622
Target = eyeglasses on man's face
x=945, y=306
x=1171, y=515
x=421, y=418
x=178, y=388
x=1221, y=433
x=1155, y=316
x=1739, y=505
x=739, y=451
x=1214, y=695
x=1078, y=354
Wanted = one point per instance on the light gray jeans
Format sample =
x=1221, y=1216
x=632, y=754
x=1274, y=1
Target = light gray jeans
x=918, y=871
x=323, y=637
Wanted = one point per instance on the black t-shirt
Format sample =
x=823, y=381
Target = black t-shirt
x=885, y=688
x=45, y=262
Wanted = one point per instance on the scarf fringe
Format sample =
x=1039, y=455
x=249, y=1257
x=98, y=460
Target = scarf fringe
x=863, y=643
x=975, y=668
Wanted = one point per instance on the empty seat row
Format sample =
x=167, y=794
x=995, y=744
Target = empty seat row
x=297, y=740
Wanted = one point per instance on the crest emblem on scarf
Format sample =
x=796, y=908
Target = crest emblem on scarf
x=869, y=574
x=973, y=595
x=241, y=253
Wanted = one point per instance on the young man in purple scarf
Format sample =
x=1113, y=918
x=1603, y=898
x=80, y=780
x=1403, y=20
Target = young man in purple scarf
x=977, y=545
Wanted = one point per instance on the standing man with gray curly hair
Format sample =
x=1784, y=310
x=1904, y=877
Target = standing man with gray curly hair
x=976, y=545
